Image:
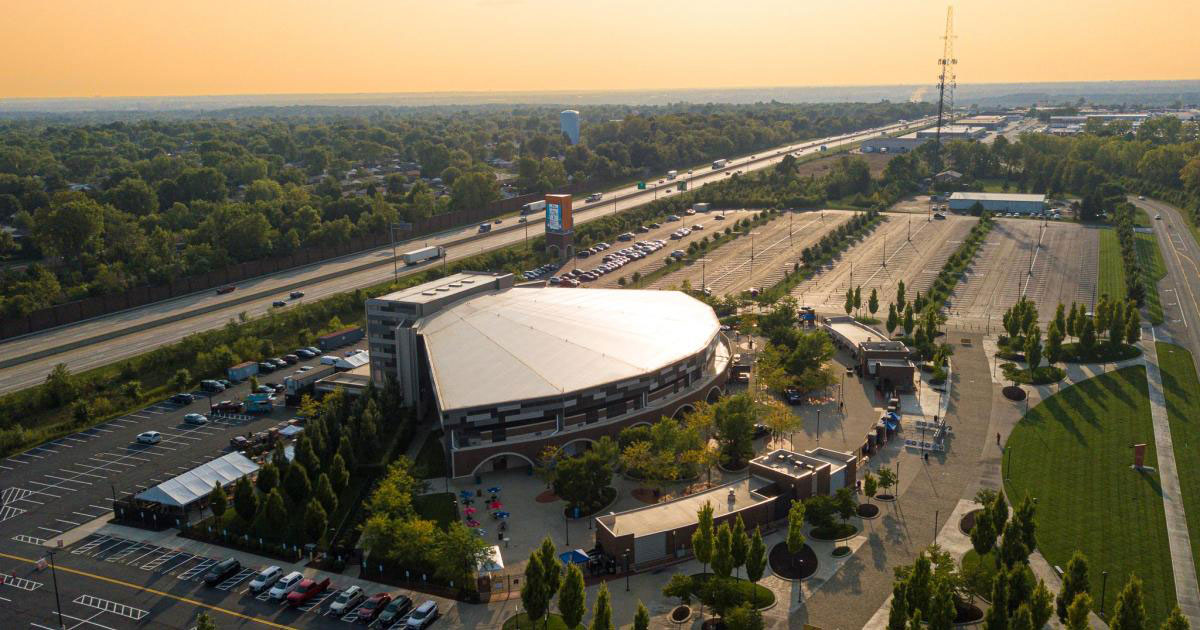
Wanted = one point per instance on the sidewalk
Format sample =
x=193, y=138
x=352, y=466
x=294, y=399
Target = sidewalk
x=1187, y=592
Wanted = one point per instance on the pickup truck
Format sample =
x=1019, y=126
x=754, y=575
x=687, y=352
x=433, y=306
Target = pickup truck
x=224, y=290
x=307, y=589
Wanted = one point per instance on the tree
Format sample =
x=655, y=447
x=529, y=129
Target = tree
x=983, y=534
x=602, y=612
x=1077, y=612
x=297, y=485
x=942, y=610
x=1054, y=340
x=641, y=618
x=887, y=478
x=1176, y=620
x=1087, y=336
x=181, y=379
x=898, y=612
x=69, y=230
x=914, y=622
x=743, y=617
x=533, y=592
x=1041, y=605
x=900, y=299
x=325, y=494
x=722, y=556
x=1022, y=619
x=572, y=599
x=1012, y=549
x=339, y=477
x=1116, y=327
x=134, y=196
x=998, y=510
x=893, y=320
x=849, y=305
x=909, y=322
x=739, y=543
x=844, y=503
x=870, y=485
x=873, y=302
x=204, y=622
x=582, y=481
x=680, y=586
x=1133, y=327
x=316, y=521
x=457, y=553
x=1033, y=347
x=552, y=573
x=756, y=562
x=703, y=537
x=997, y=615
x=919, y=583
x=1024, y=520
x=217, y=500
x=245, y=501
x=1072, y=321
x=857, y=297
x=1075, y=581
x=795, y=529
x=267, y=479
x=734, y=418
x=275, y=516
x=1130, y=611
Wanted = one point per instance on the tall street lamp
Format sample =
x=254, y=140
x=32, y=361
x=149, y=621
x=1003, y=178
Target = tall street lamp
x=57, y=602
x=703, y=272
x=1103, y=588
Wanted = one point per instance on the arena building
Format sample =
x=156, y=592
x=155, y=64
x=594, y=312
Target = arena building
x=509, y=370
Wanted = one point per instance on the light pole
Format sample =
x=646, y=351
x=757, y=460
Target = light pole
x=626, y=555
x=1103, y=588
x=703, y=273
x=566, y=529
x=818, y=425
x=935, y=520
x=752, y=252
x=57, y=602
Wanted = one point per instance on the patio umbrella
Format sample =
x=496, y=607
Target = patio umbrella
x=502, y=515
x=465, y=494
x=495, y=505
x=473, y=523
x=576, y=556
x=494, y=490
x=469, y=511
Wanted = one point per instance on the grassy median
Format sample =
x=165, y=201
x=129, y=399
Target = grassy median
x=1182, y=390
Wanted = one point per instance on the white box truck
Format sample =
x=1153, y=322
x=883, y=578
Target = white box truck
x=418, y=256
x=672, y=174
x=719, y=164
x=700, y=207
x=532, y=207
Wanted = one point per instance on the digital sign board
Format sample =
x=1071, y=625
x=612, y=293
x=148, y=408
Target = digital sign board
x=559, y=219
x=554, y=217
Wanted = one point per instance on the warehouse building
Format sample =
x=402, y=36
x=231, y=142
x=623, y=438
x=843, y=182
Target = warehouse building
x=991, y=123
x=902, y=144
x=510, y=370
x=998, y=202
x=954, y=132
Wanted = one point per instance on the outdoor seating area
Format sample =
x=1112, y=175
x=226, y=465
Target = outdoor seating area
x=491, y=504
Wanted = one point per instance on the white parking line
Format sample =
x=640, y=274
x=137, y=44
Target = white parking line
x=100, y=507
x=101, y=430
x=16, y=461
x=28, y=454
x=49, y=476
x=79, y=619
x=129, y=612
x=109, y=461
x=29, y=539
x=92, y=516
x=83, y=473
x=74, y=439
x=56, y=531
x=6, y=467
x=63, y=520
x=55, y=486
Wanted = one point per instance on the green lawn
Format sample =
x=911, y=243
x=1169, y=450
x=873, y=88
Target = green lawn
x=1071, y=452
x=1183, y=410
x=431, y=459
x=1112, y=268
x=1153, y=271
x=1141, y=219
x=438, y=507
x=522, y=622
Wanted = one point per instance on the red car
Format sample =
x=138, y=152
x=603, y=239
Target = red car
x=307, y=589
x=230, y=406
x=373, y=606
x=224, y=290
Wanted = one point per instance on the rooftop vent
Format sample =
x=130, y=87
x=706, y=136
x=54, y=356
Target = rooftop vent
x=443, y=288
x=428, y=293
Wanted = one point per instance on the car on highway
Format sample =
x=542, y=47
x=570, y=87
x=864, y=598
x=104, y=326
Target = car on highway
x=212, y=386
x=278, y=304
x=307, y=589
x=1158, y=217
x=224, y=290
x=373, y=606
x=149, y=437
x=266, y=578
x=182, y=398
x=296, y=295
x=222, y=571
x=1141, y=197
x=423, y=616
x=230, y=406
x=285, y=585
x=195, y=418
x=347, y=600
x=395, y=610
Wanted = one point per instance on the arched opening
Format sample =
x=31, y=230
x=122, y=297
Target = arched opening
x=501, y=462
x=577, y=446
x=682, y=411
x=714, y=395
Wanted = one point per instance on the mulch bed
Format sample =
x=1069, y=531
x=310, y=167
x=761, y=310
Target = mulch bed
x=885, y=497
x=868, y=510
x=839, y=552
x=645, y=495
x=1012, y=392
x=681, y=614
x=547, y=496
x=968, y=521
x=967, y=613
x=782, y=565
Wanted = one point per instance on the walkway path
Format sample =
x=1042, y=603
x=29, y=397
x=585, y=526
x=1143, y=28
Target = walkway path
x=1187, y=593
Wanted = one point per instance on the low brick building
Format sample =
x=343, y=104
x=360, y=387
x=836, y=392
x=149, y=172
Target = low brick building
x=876, y=356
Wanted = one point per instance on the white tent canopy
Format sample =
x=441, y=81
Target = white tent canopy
x=198, y=482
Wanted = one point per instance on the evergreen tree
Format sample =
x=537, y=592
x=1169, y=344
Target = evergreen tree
x=914, y=622
x=998, y=510
x=893, y=320
x=297, y=485
x=339, y=476
x=722, y=556
x=316, y=521
x=898, y=613
x=1130, y=611
x=857, y=297
x=1041, y=605
x=1023, y=619
x=1024, y=520
x=1012, y=549
x=217, y=500
x=900, y=297
x=983, y=534
x=326, y=495
x=1074, y=582
x=572, y=598
x=702, y=538
x=1060, y=317
x=873, y=302
x=756, y=563
x=1116, y=327
x=795, y=529
x=1033, y=347
x=204, y=622
x=1087, y=337
x=267, y=479
x=739, y=544
x=997, y=615
x=942, y=610
x=245, y=501
x=533, y=592
x=1054, y=341
x=552, y=573
x=602, y=612
x=909, y=322
x=1133, y=327
x=1072, y=321
x=274, y=515
x=641, y=618
x=919, y=583
x=849, y=305
x=1077, y=612
x=1176, y=620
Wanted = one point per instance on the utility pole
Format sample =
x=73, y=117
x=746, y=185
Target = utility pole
x=703, y=273
x=57, y=601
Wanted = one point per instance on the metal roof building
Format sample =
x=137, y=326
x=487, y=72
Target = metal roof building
x=180, y=492
x=998, y=202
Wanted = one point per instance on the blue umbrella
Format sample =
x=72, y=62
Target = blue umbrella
x=493, y=489
x=466, y=494
x=575, y=556
x=501, y=514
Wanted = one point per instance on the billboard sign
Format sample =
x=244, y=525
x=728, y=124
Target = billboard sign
x=554, y=217
x=559, y=219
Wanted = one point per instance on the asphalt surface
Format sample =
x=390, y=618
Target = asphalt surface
x=1179, y=291
x=107, y=339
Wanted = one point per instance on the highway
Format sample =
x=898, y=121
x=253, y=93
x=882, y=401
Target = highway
x=107, y=339
x=1179, y=291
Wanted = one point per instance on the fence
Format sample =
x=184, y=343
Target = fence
x=71, y=312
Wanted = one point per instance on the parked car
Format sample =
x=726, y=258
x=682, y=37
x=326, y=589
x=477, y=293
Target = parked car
x=395, y=610
x=423, y=616
x=296, y=295
x=266, y=367
x=264, y=389
x=195, y=418
x=222, y=571
x=285, y=585
x=224, y=290
x=212, y=386
x=182, y=398
x=279, y=363
x=291, y=359
x=373, y=606
x=307, y=589
x=347, y=600
x=265, y=578
x=278, y=304
x=239, y=442
x=149, y=437
x=641, y=229
x=792, y=395
x=303, y=353
x=313, y=349
x=230, y=406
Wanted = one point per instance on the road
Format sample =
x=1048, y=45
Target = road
x=1180, y=289
x=108, y=339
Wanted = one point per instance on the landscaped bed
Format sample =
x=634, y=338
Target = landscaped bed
x=523, y=622
x=1043, y=375
x=745, y=592
x=837, y=531
x=1072, y=452
x=867, y=510
x=798, y=567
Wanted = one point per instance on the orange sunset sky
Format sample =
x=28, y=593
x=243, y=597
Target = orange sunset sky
x=56, y=48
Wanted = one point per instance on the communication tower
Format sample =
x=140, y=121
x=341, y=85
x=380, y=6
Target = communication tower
x=946, y=83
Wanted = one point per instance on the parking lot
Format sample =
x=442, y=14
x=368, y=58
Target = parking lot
x=905, y=247
x=759, y=261
x=1048, y=262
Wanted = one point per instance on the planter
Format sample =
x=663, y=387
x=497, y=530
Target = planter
x=838, y=532
x=610, y=494
x=868, y=510
x=966, y=613
x=1014, y=393
x=681, y=614
x=885, y=497
x=967, y=523
x=841, y=551
x=801, y=567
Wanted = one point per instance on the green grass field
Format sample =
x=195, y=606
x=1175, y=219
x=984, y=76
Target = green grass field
x=1153, y=270
x=1072, y=453
x=1182, y=390
x=1112, y=269
x=431, y=459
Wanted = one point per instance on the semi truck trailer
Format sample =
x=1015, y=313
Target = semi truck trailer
x=418, y=256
